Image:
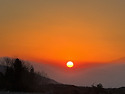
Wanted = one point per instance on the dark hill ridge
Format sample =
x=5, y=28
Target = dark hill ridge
x=44, y=80
x=71, y=89
x=16, y=76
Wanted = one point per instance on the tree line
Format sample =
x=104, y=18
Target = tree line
x=18, y=76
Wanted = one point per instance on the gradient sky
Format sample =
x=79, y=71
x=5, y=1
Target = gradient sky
x=62, y=30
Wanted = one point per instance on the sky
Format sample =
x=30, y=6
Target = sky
x=61, y=30
x=52, y=31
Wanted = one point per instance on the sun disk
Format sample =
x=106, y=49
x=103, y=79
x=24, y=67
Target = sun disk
x=69, y=64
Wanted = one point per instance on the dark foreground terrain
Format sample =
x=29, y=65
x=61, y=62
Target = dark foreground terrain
x=70, y=89
x=16, y=77
x=17, y=93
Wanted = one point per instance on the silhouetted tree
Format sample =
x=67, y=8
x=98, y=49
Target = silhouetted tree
x=2, y=81
x=98, y=88
x=19, y=77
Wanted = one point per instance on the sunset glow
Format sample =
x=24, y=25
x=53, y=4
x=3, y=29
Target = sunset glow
x=76, y=42
x=70, y=64
x=59, y=30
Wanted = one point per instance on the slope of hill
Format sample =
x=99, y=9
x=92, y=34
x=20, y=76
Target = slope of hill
x=34, y=82
x=44, y=80
x=15, y=75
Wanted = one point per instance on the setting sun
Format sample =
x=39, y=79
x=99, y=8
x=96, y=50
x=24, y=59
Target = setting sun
x=70, y=64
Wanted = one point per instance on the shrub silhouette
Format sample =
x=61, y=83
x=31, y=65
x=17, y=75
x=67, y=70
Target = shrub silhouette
x=98, y=88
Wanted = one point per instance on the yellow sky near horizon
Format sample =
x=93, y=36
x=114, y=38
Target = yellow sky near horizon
x=61, y=30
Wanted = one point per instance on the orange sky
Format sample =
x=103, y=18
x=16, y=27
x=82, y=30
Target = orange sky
x=62, y=30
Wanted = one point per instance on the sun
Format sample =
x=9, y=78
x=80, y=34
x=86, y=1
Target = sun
x=70, y=64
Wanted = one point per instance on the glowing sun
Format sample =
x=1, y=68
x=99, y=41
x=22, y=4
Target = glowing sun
x=70, y=64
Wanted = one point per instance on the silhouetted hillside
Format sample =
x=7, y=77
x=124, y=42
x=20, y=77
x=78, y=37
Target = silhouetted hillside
x=15, y=75
x=71, y=89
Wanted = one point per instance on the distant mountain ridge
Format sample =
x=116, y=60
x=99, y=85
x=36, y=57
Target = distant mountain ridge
x=120, y=60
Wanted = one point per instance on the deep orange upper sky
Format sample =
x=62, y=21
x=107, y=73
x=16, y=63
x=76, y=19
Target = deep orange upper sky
x=62, y=30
